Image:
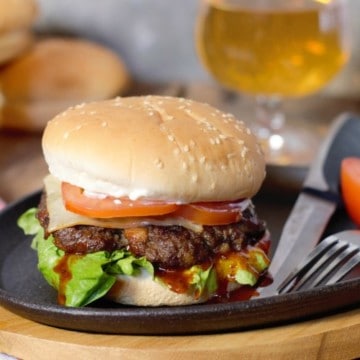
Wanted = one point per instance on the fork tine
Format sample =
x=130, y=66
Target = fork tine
x=330, y=257
x=352, y=262
x=349, y=249
x=304, y=265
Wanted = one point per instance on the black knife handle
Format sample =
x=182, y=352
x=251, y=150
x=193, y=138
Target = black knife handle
x=344, y=141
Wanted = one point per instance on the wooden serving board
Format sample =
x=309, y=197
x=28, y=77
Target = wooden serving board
x=332, y=337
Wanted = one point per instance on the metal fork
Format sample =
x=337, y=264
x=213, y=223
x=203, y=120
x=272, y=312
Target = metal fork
x=330, y=261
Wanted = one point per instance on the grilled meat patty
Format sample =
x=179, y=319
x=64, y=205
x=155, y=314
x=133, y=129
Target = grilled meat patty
x=166, y=246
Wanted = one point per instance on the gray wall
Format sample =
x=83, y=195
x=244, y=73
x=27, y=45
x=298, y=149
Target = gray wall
x=155, y=37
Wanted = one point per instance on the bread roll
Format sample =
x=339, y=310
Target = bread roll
x=55, y=74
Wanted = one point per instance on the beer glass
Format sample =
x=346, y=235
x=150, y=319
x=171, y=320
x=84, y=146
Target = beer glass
x=274, y=49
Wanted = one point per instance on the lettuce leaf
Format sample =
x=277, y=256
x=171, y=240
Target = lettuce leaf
x=203, y=280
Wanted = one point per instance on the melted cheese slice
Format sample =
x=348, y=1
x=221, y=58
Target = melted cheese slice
x=60, y=218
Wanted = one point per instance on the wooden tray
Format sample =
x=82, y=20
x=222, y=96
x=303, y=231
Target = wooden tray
x=333, y=337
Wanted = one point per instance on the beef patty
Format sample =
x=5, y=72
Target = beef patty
x=164, y=246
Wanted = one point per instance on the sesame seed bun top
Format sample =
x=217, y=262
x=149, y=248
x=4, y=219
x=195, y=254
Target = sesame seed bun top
x=157, y=147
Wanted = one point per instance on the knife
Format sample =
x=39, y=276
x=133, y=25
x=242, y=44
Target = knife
x=317, y=201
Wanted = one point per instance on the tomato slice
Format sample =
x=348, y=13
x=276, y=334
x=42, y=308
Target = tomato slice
x=210, y=213
x=350, y=186
x=109, y=207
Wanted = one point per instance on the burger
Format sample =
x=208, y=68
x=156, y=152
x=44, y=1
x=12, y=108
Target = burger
x=148, y=203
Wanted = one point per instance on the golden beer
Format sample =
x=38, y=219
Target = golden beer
x=272, y=51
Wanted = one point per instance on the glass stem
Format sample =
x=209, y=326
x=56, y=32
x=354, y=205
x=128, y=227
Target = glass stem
x=270, y=118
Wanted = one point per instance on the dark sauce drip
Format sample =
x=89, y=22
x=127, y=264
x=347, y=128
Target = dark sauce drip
x=63, y=270
x=178, y=280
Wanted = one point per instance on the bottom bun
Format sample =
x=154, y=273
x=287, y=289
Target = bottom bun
x=142, y=290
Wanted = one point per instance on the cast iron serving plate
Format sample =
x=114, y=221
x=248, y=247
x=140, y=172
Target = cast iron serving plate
x=24, y=291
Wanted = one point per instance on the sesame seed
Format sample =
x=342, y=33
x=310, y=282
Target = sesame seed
x=159, y=164
x=117, y=201
x=186, y=148
x=171, y=137
x=184, y=165
x=66, y=135
x=194, y=178
x=176, y=151
x=104, y=124
x=202, y=159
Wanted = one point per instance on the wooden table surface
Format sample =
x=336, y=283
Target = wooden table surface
x=333, y=337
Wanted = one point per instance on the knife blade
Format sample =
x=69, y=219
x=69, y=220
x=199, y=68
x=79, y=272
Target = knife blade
x=316, y=202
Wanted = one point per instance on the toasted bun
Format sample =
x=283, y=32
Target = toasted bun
x=17, y=14
x=55, y=74
x=153, y=146
x=142, y=290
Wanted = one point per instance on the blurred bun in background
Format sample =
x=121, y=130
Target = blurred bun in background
x=16, y=20
x=56, y=73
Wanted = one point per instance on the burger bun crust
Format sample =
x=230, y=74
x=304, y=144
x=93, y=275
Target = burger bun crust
x=157, y=147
